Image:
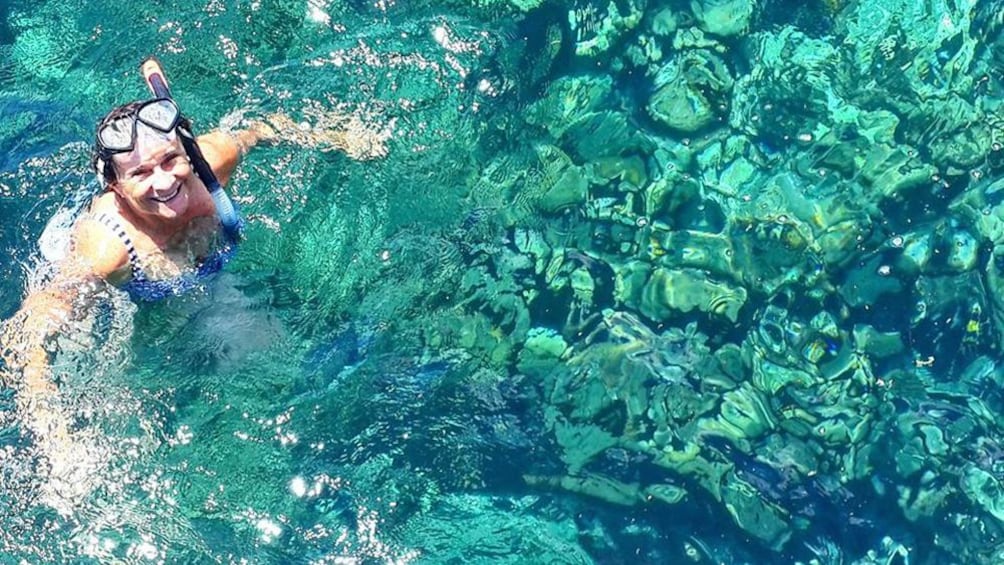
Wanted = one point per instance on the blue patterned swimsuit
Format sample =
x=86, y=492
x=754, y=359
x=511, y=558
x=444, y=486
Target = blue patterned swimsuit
x=142, y=288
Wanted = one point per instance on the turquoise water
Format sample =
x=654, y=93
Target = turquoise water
x=663, y=282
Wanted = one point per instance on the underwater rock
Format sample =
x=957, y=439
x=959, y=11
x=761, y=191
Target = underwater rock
x=695, y=38
x=668, y=292
x=582, y=285
x=505, y=530
x=553, y=270
x=580, y=444
x=732, y=367
x=785, y=339
x=783, y=471
x=744, y=415
x=545, y=343
x=568, y=99
x=532, y=243
x=578, y=114
x=794, y=95
x=569, y=189
x=771, y=252
x=669, y=494
x=867, y=284
x=837, y=242
x=980, y=208
x=787, y=90
x=963, y=251
x=628, y=173
x=673, y=405
x=902, y=48
x=925, y=499
x=772, y=377
x=602, y=488
x=607, y=135
x=666, y=199
x=889, y=551
x=686, y=460
x=628, y=282
x=526, y=5
x=679, y=249
x=723, y=17
x=985, y=490
x=597, y=27
x=918, y=250
x=934, y=440
x=737, y=175
x=894, y=172
x=615, y=229
x=561, y=183
x=669, y=355
x=545, y=180
x=760, y=518
x=691, y=91
x=665, y=22
x=621, y=375
x=964, y=149
x=645, y=52
x=877, y=344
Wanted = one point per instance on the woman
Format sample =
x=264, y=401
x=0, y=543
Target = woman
x=155, y=231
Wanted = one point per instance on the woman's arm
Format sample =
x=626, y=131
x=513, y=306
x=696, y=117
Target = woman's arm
x=94, y=258
x=26, y=342
x=224, y=149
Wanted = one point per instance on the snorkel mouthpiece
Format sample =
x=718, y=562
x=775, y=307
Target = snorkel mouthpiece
x=153, y=74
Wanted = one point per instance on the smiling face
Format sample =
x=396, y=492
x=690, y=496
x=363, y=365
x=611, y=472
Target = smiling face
x=154, y=178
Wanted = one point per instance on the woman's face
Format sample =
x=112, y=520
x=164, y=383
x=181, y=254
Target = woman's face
x=153, y=179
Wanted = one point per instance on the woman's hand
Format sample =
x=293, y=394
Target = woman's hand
x=348, y=133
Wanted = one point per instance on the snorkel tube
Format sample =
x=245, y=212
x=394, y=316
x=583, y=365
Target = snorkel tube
x=225, y=209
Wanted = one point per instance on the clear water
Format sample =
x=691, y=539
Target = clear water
x=355, y=387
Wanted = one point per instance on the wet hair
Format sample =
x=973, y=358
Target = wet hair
x=101, y=161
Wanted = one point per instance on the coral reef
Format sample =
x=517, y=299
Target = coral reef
x=773, y=223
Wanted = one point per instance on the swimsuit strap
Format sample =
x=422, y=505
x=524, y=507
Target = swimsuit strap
x=116, y=227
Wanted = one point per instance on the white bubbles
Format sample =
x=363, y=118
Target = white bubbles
x=441, y=35
x=145, y=549
x=270, y=529
x=317, y=15
x=183, y=436
x=298, y=487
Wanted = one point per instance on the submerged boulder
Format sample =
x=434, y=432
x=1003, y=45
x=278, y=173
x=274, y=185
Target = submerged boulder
x=691, y=91
x=723, y=17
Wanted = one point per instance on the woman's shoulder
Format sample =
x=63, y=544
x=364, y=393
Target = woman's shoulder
x=96, y=243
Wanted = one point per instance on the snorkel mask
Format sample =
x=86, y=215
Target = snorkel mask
x=120, y=130
x=118, y=135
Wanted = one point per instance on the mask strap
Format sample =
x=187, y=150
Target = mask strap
x=101, y=164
